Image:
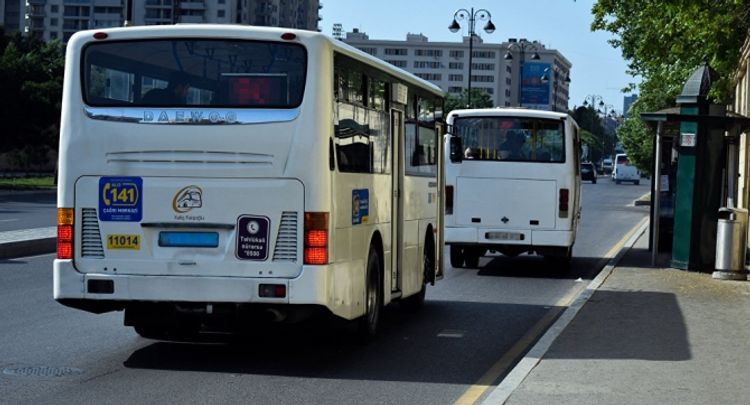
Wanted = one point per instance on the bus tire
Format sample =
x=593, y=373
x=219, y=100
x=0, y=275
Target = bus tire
x=367, y=325
x=472, y=257
x=457, y=257
x=416, y=301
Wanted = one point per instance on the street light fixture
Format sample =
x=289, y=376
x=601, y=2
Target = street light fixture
x=593, y=98
x=522, y=45
x=472, y=16
x=555, y=80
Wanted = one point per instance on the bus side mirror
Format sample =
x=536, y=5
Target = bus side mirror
x=457, y=154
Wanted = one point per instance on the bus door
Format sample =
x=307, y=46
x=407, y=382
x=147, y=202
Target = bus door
x=397, y=210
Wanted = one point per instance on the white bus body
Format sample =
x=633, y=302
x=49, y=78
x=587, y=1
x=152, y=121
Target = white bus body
x=296, y=174
x=624, y=171
x=512, y=180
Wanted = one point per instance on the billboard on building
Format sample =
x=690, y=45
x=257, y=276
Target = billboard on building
x=534, y=91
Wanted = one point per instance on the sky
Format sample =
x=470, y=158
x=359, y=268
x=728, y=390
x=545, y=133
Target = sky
x=598, y=68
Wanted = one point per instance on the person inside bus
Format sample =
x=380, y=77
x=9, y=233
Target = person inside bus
x=471, y=153
x=174, y=94
x=512, y=148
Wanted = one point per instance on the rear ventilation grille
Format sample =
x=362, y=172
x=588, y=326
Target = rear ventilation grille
x=286, y=240
x=91, y=238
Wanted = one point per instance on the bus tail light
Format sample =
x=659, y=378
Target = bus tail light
x=65, y=233
x=563, y=202
x=449, y=200
x=316, y=238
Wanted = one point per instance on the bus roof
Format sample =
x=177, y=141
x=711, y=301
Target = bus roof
x=508, y=112
x=241, y=31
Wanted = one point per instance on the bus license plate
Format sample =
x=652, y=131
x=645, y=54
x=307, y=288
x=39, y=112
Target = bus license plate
x=504, y=235
x=117, y=241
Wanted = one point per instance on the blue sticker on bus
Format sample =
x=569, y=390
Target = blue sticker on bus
x=360, y=206
x=120, y=199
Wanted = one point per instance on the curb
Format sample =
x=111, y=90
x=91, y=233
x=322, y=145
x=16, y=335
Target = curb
x=10, y=250
x=28, y=242
x=524, y=367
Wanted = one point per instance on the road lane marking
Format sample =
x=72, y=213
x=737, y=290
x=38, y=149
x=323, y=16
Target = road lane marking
x=577, y=296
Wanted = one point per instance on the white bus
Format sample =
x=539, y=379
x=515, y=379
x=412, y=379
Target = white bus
x=512, y=183
x=213, y=172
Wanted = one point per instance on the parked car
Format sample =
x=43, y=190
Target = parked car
x=588, y=172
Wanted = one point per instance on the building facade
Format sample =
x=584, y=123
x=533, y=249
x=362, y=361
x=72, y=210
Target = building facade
x=59, y=19
x=506, y=71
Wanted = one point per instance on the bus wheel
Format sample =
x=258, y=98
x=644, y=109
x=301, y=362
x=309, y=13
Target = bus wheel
x=367, y=326
x=416, y=301
x=472, y=257
x=457, y=257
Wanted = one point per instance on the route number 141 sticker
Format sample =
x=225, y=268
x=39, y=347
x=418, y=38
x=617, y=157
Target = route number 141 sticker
x=120, y=199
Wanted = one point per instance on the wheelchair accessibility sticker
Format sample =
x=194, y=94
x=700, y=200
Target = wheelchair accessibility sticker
x=120, y=199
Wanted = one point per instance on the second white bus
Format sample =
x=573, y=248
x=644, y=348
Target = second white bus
x=210, y=173
x=512, y=181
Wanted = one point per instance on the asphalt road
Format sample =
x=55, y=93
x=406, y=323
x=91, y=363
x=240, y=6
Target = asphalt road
x=27, y=209
x=473, y=320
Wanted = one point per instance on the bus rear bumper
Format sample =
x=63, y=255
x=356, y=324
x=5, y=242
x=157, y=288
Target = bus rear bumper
x=311, y=287
x=489, y=237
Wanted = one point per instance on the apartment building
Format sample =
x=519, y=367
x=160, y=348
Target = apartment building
x=59, y=19
x=516, y=72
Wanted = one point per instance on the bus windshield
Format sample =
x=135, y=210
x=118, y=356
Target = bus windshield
x=194, y=72
x=511, y=139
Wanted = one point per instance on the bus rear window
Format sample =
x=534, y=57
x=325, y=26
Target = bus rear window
x=194, y=72
x=517, y=139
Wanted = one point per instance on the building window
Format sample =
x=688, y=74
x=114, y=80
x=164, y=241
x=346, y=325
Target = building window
x=483, y=66
x=508, y=81
x=456, y=54
x=455, y=89
x=484, y=54
x=396, y=51
x=53, y=35
x=507, y=92
x=397, y=63
x=54, y=8
x=455, y=78
x=482, y=79
x=53, y=22
x=220, y=13
x=428, y=52
x=420, y=64
x=371, y=51
x=508, y=69
x=456, y=65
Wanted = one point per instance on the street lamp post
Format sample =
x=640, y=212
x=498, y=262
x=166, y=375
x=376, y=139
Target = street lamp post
x=593, y=98
x=472, y=16
x=556, y=73
x=521, y=45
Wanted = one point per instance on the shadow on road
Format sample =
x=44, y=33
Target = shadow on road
x=530, y=266
x=445, y=342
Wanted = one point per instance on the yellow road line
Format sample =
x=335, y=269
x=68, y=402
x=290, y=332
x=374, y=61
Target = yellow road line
x=474, y=392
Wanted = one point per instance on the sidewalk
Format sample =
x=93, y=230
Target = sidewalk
x=647, y=336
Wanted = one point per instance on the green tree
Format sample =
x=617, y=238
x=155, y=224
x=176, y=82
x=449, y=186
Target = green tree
x=479, y=99
x=663, y=42
x=594, y=134
x=31, y=74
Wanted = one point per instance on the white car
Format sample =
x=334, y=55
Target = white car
x=624, y=171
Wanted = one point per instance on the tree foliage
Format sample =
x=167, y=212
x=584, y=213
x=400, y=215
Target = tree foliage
x=593, y=133
x=479, y=99
x=31, y=74
x=663, y=42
